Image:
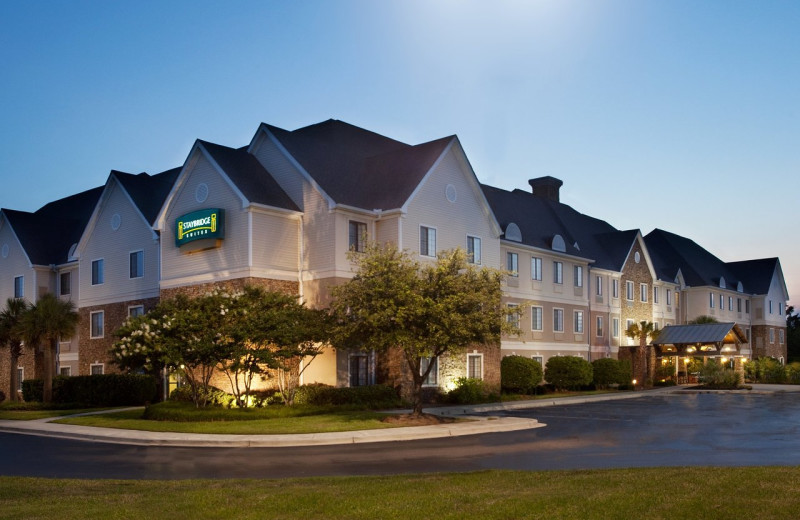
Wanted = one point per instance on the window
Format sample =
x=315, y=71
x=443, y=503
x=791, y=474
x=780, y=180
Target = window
x=558, y=320
x=628, y=324
x=96, y=369
x=655, y=294
x=579, y=322
x=356, y=236
x=97, y=272
x=615, y=327
x=432, y=379
x=578, y=275
x=474, y=250
x=427, y=241
x=780, y=336
x=747, y=333
x=747, y=306
x=615, y=288
x=730, y=303
x=599, y=327
x=772, y=335
x=598, y=288
x=96, y=325
x=536, y=318
x=358, y=370
x=475, y=366
x=711, y=300
x=780, y=309
x=536, y=268
x=722, y=302
x=738, y=305
x=538, y=359
x=19, y=287
x=669, y=298
x=136, y=310
x=65, y=284
x=513, y=314
x=770, y=306
x=512, y=263
x=558, y=272
x=137, y=264
x=629, y=291
x=65, y=371
x=643, y=292
x=20, y=378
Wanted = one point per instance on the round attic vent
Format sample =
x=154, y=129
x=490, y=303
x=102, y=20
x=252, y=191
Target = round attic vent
x=201, y=192
x=116, y=220
x=5, y=251
x=450, y=193
x=637, y=257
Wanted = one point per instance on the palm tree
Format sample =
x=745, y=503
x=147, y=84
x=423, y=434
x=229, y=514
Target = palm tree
x=642, y=331
x=47, y=321
x=10, y=335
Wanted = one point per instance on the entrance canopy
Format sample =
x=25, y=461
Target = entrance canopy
x=706, y=339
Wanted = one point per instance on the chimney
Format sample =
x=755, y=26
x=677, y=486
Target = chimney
x=546, y=187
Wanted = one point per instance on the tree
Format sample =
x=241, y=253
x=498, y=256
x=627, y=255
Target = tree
x=45, y=322
x=642, y=331
x=702, y=320
x=792, y=334
x=427, y=311
x=10, y=336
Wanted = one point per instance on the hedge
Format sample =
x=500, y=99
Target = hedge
x=610, y=371
x=97, y=390
x=374, y=396
x=568, y=372
x=520, y=374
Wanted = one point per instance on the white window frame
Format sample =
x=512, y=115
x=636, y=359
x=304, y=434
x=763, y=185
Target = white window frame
x=780, y=308
x=628, y=323
x=474, y=355
x=669, y=297
x=367, y=368
x=643, y=292
x=101, y=277
x=102, y=325
x=19, y=290
x=428, y=253
x=710, y=300
x=20, y=378
x=655, y=295
x=536, y=268
x=68, y=275
x=577, y=275
x=730, y=303
x=781, y=337
x=433, y=374
x=558, y=272
x=360, y=236
x=629, y=290
x=722, y=302
x=540, y=359
x=615, y=327
x=131, y=307
x=513, y=317
x=557, y=311
x=771, y=335
x=66, y=368
x=747, y=306
x=738, y=305
x=130, y=264
x=598, y=290
x=770, y=306
x=578, y=325
x=533, y=318
x=615, y=288
x=599, y=332
x=512, y=263
x=102, y=369
x=474, y=247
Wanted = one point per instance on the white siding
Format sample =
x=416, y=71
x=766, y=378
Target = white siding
x=276, y=243
x=387, y=230
x=114, y=247
x=15, y=264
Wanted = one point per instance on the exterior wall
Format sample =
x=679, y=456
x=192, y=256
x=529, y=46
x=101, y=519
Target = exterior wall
x=114, y=247
x=762, y=346
x=13, y=265
x=430, y=207
x=636, y=310
x=276, y=245
x=27, y=361
x=317, y=293
x=322, y=369
x=193, y=291
x=388, y=230
x=93, y=351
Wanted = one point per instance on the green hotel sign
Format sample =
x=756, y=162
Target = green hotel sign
x=200, y=225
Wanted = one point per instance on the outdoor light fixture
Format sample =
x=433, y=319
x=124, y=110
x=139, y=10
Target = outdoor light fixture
x=634, y=382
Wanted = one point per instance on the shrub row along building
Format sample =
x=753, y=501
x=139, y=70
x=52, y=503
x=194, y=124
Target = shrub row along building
x=283, y=211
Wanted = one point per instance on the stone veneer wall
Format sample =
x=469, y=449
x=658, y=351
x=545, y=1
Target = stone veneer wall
x=392, y=369
x=282, y=286
x=32, y=369
x=761, y=346
x=92, y=351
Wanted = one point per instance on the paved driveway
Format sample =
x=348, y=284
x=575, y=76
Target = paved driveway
x=660, y=430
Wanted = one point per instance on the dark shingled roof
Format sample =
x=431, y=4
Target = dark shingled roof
x=756, y=275
x=539, y=219
x=254, y=181
x=48, y=234
x=359, y=168
x=704, y=333
x=671, y=252
x=148, y=191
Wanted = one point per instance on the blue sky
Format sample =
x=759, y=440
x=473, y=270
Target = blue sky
x=679, y=114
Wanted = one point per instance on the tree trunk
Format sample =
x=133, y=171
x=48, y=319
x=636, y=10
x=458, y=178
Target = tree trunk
x=13, y=395
x=49, y=367
x=417, y=398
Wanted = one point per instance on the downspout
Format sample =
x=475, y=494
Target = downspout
x=589, y=305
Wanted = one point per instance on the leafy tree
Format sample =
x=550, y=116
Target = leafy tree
x=425, y=311
x=701, y=320
x=642, y=331
x=10, y=336
x=45, y=322
x=792, y=334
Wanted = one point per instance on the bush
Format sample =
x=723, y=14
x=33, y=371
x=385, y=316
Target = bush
x=214, y=396
x=372, y=397
x=610, y=371
x=568, y=372
x=520, y=374
x=32, y=390
x=713, y=375
x=766, y=370
x=793, y=373
x=469, y=390
x=2, y=396
x=97, y=390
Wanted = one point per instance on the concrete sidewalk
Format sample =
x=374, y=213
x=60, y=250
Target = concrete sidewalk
x=474, y=426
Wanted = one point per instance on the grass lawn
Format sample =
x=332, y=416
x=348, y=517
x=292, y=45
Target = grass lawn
x=183, y=418
x=551, y=395
x=30, y=415
x=661, y=493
